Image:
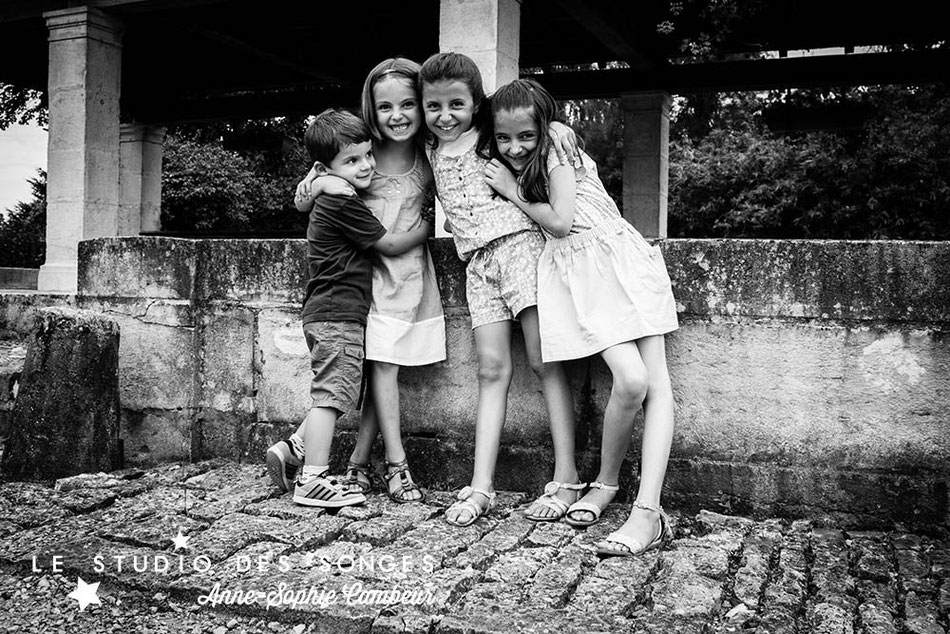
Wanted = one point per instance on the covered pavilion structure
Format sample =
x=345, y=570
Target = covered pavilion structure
x=116, y=72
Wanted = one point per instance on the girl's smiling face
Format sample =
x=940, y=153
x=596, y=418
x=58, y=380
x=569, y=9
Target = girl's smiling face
x=396, y=105
x=516, y=136
x=449, y=109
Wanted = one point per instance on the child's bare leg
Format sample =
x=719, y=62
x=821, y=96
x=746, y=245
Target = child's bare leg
x=369, y=426
x=493, y=348
x=313, y=487
x=318, y=435
x=385, y=388
x=642, y=525
x=626, y=397
x=386, y=394
x=560, y=406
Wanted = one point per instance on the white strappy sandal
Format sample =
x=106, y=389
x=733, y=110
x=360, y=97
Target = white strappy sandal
x=634, y=547
x=466, y=503
x=593, y=509
x=549, y=500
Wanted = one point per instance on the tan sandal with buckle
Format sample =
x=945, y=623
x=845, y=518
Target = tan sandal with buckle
x=399, y=483
x=633, y=547
x=549, y=500
x=589, y=507
x=359, y=477
x=467, y=504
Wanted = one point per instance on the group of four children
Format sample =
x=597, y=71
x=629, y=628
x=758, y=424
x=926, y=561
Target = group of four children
x=544, y=245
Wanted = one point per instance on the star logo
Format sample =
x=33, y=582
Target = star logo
x=180, y=540
x=85, y=593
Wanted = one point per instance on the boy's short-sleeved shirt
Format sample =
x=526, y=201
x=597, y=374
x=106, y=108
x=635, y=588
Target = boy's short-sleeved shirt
x=340, y=265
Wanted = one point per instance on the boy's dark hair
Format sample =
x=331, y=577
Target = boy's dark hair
x=333, y=130
x=453, y=67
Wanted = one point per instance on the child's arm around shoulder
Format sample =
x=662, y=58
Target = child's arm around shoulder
x=396, y=243
x=556, y=215
x=313, y=185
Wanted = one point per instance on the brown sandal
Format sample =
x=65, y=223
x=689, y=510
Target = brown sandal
x=398, y=488
x=355, y=483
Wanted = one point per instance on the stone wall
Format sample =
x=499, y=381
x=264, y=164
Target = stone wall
x=810, y=377
x=65, y=415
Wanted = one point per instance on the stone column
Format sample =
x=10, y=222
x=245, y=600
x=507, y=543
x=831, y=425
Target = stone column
x=140, y=178
x=488, y=31
x=82, y=202
x=646, y=164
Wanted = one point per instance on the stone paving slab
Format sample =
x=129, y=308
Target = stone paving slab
x=212, y=547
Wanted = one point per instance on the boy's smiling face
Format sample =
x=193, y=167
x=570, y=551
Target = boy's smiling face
x=354, y=163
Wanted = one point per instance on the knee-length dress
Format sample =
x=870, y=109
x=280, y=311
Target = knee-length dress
x=405, y=325
x=603, y=284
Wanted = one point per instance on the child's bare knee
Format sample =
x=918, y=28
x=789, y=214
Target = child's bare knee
x=630, y=388
x=493, y=369
x=538, y=366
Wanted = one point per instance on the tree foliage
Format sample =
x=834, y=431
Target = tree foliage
x=23, y=229
x=209, y=186
x=599, y=123
x=21, y=105
x=890, y=179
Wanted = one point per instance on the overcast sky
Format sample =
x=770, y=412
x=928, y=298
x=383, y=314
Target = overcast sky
x=22, y=151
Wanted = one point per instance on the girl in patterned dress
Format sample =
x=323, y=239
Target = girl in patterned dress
x=501, y=247
x=602, y=289
x=405, y=325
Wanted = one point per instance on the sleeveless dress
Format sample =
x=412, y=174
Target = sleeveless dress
x=405, y=325
x=603, y=284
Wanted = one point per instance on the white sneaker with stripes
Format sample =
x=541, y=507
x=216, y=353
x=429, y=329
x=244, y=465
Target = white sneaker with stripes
x=326, y=492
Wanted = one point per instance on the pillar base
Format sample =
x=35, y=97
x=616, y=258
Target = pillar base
x=58, y=278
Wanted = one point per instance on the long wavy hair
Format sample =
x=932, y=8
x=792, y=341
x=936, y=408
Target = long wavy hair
x=528, y=94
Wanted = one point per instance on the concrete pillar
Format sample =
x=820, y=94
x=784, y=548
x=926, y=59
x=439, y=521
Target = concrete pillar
x=82, y=196
x=646, y=163
x=140, y=178
x=488, y=31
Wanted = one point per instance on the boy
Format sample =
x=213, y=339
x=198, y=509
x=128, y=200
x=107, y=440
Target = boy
x=339, y=237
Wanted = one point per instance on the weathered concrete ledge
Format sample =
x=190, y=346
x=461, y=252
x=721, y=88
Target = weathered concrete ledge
x=803, y=370
x=15, y=277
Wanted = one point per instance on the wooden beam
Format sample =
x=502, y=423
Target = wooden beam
x=599, y=26
x=170, y=107
x=918, y=67
x=12, y=10
x=254, y=51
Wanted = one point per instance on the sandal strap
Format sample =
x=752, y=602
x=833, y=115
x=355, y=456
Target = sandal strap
x=557, y=505
x=395, y=468
x=466, y=503
x=666, y=531
x=632, y=545
x=468, y=491
x=597, y=484
x=365, y=469
x=405, y=484
x=552, y=487
x=593, y=509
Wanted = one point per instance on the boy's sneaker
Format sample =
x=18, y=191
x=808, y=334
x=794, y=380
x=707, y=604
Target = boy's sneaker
x=282, y=464
x=326, y=492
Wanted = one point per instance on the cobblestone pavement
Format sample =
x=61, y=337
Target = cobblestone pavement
x=255, y=562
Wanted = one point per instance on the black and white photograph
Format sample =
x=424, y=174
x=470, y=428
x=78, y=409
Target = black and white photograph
x=474, y=317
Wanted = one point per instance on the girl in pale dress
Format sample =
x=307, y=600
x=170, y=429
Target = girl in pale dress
x=405, y=325
x=602, y=289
